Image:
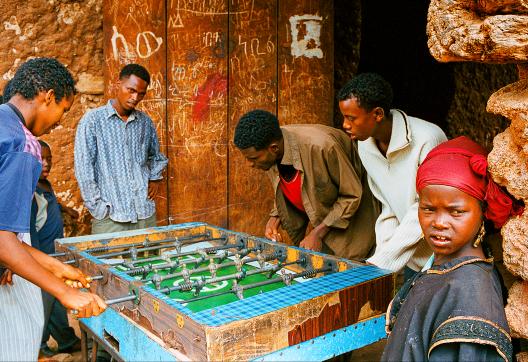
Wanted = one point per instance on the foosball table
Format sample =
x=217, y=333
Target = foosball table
x=198, y=292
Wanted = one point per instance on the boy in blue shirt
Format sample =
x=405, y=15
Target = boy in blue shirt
x=40, y=92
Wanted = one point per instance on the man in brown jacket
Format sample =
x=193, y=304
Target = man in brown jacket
x=318, y=180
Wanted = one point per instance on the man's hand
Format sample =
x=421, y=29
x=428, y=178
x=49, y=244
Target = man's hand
x=312, y=242
x=73, y=277
x=6, y=278
x=86, y=304
x=153, y=188
x=272, y=229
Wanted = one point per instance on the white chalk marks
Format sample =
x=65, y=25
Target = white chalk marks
x=306, y=36
x=147, y=43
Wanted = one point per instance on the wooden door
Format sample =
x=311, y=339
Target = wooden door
x=212, y=61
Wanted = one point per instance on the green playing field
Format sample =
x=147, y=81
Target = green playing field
x=214, y=288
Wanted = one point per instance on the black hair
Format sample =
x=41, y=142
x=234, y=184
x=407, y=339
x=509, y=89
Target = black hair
x=44, y=144
x=370, y=89
x=135, y=69
x=257, y=129
x=8, y=91
x=40, y=75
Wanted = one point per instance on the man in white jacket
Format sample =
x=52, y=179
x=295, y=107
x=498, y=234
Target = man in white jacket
x=391, y=146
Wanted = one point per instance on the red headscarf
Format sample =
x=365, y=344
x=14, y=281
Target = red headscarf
x=461, y=163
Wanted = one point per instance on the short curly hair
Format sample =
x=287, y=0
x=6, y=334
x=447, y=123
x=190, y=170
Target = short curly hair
x=257, y=129
x=8, y=91
x=370, y=89
x=40, y=75
x=135, y=69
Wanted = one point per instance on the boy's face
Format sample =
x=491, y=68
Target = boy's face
x=450, y=220
x=49, y=112
x=46, y=163
x=358, y=123
x=261, y=159
x=130, y=92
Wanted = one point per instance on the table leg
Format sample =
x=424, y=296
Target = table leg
x=84, y=345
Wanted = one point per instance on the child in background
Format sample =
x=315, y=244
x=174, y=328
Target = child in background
x=454, y=311
x=46, y=226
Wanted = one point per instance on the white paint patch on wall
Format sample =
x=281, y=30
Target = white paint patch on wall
x=147, y=43
x=308, y=44
x=11, y=72
x=69, y=13
x=12, y=24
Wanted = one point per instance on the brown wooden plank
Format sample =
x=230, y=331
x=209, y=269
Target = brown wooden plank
x=252, y=85
x=197, y=110
x=250, y=338
x=305, y=62
x=355, y=304
x=134, y=32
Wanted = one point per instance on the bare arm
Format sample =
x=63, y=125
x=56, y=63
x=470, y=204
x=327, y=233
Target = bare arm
x=44, y=271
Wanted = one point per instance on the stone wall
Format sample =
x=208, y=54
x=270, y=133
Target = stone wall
x=72, y=32
x=473, y=84
x=508, y=165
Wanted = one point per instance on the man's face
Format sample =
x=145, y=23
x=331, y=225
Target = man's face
x=50, y=112
x=260, y=159
x=358, y=123
x=130, y=92
x=46, y=163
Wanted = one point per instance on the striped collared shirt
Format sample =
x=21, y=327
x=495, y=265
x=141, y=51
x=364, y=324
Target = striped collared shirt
x=114, y=162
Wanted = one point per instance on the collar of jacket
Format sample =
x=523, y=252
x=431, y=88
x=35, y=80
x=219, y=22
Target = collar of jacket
x=291, y=151
x=401, y=135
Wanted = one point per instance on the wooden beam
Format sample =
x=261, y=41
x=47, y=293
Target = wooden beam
x=252, y=85
x=197, y=110
x=306, y=58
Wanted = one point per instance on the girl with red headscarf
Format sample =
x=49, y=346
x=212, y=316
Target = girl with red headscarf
x=454, y=311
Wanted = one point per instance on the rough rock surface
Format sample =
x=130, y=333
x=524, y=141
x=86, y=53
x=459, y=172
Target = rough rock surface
x=515, y=245
x=507, y=165
x=486, y=30
x=517, y=309
x=510, y=101
x=72, y=32
x=474, y=83
x=522, y=357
